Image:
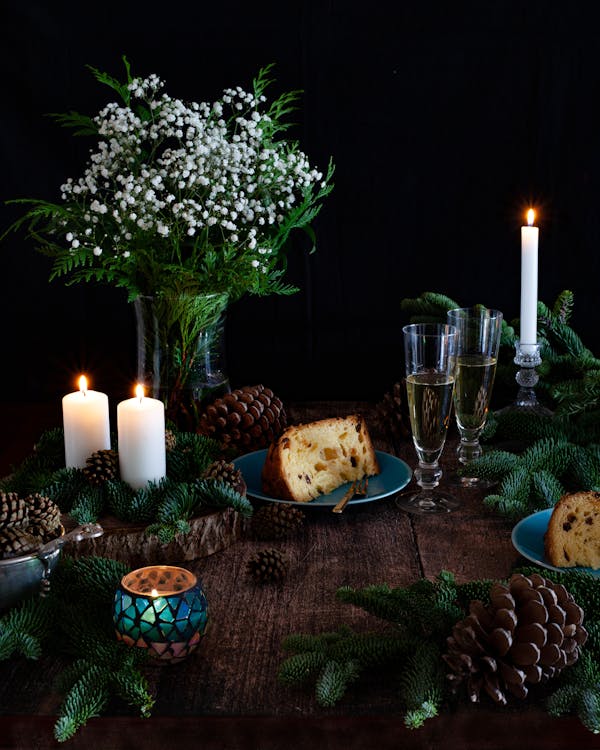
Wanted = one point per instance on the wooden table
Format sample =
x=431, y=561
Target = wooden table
x=227, y=695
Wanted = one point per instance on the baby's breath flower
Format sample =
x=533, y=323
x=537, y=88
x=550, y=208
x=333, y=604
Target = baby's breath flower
x=199, y=185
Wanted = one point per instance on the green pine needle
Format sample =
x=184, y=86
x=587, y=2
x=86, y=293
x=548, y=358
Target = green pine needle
x=333, y=681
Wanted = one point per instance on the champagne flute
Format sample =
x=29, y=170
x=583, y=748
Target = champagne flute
x=478, y=342
x=430, y=359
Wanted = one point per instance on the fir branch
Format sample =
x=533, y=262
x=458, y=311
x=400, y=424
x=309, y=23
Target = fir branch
x=546, y=487
x=492, y=465
x=588, y=709
x=25, y=627
x=87, y=698
x=333, y=681
x=92, y=579
x=428, y=307
x=181, y=504
x=301, y=668
x=422, y=684
x=64, y=486
x=563, y=306
x=88, y=506
x=211, y=493
x=191, y=457
x=424, y=608
x=132, y=688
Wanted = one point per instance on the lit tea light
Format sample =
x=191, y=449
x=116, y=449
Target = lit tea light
x=86, y=424
x=161, y=608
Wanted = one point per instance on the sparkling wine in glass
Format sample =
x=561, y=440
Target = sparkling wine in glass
x=430, y=359
x=478, y=342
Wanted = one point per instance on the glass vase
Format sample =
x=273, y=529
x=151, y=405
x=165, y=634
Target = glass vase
x=181, y=352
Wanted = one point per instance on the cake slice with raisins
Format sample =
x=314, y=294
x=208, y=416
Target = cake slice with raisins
x=314, y=459
x=573, y=535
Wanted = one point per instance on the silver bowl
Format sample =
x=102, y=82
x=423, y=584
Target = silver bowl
x=27, y=575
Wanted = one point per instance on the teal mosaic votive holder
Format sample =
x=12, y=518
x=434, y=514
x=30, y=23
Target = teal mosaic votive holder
x=161, y=608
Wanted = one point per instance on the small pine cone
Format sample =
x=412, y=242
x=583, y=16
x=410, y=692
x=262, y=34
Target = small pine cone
x=170, y=440
x=247, y=419
x=276, y=521
x=15, y=542
x=267, y=565
x=391, y=415
x=530, y=631
x=13, y=510
x=101, y=466
x=44, y=515
x=226, y=472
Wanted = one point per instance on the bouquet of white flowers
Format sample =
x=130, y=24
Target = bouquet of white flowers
x=182, y=197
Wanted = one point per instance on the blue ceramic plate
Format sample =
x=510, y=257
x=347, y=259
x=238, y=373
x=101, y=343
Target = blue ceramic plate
x=395, y=474
x=528, y=539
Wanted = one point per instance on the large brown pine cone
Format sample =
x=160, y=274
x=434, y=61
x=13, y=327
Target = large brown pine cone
x=529, y=632
x=13, y=510
x=44, y=515
x=247, y=419
x=15, y=542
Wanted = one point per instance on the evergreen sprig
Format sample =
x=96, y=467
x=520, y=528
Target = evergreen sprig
x=538, y=477
x=24, y=629
x=421, y=617
x=337, y=659
x=75, y=620
x=165, y=506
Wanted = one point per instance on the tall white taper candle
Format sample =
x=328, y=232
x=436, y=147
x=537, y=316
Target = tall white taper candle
x=529, y=284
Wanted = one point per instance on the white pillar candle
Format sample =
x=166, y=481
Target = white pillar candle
x=141, y=428
x=529, y=284
x=85, y=423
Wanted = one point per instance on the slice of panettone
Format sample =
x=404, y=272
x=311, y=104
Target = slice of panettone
x=313, y=459
x=573, y=534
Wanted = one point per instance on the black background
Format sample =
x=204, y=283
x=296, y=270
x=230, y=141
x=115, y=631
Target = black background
x=445, y=122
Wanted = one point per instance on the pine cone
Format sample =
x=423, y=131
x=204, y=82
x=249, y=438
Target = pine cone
x=529, y=632
x=13, y=510
x=44, y=516
x=276, y=521
x=267, y=565
x=247, y=419
x=391, y=416
x=170, y=440
x=226, y=472
x=15, y=542
x=101, y=466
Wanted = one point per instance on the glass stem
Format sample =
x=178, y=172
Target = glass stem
x=468, y=450
x=428, y=475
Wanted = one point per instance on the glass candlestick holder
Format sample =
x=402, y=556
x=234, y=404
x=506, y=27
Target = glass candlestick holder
x=527, y=358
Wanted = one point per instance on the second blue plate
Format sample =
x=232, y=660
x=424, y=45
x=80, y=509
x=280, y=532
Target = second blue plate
x=528, y=540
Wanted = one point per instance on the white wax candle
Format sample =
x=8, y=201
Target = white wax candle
x=141, y=428
x=85, y=423
x=529, y=284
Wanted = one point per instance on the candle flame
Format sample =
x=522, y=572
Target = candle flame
x=154, y=593
x=83, y=384
x=530, y=217
x=139, y=391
